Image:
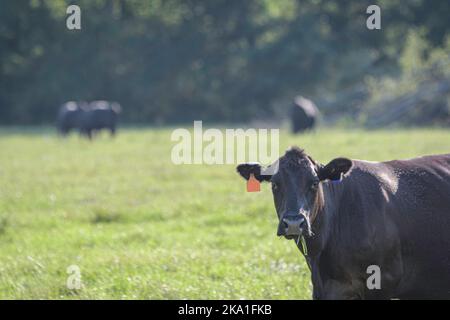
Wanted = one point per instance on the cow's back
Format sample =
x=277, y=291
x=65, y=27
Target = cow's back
x=101, y=114
x=422, y=216
x=414, y=197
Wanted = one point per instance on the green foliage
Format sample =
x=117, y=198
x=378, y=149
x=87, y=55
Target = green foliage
x=179, y=60
x=140, y=227
x=423, y=68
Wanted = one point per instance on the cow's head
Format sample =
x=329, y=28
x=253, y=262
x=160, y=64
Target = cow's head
x=296, y=188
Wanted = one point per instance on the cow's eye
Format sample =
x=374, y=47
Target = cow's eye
x=315, y=185
x=275, y=186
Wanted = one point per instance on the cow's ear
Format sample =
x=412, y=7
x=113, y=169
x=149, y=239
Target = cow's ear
x=335, y=169
x=246, y=169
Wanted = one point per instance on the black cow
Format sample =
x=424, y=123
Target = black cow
x=88, y=118
x=100, y=115
x=69, y=116
x=351, y=215
x=304, y=114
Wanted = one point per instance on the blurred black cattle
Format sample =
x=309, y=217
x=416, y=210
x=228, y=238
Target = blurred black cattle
x=304, y=115
x=100, y=115
x=88, y=118
x=69, y=116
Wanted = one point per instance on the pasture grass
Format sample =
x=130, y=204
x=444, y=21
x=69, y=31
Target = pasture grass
x=140, y=227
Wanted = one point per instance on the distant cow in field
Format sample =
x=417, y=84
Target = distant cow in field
x=69, y=116
x=88, y=118
x=304, y=114
x=100, y=115
x=351, y=218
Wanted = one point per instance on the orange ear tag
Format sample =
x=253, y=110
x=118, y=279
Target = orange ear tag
x=253, y=185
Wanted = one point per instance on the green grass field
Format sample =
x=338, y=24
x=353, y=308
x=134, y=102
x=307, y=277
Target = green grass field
x=139, y=227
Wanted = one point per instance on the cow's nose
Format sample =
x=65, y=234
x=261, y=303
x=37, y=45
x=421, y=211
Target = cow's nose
x=292, y=225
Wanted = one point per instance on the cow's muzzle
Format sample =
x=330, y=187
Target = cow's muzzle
x=292, y=226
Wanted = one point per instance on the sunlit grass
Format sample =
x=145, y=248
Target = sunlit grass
x=140, y=227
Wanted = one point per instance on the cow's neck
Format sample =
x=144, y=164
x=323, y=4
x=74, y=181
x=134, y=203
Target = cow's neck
x=326, y=206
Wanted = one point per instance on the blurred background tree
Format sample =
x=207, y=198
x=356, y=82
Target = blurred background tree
x=173, y=61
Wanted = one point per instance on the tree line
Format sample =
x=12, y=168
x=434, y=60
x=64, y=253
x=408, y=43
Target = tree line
x=172, y=61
